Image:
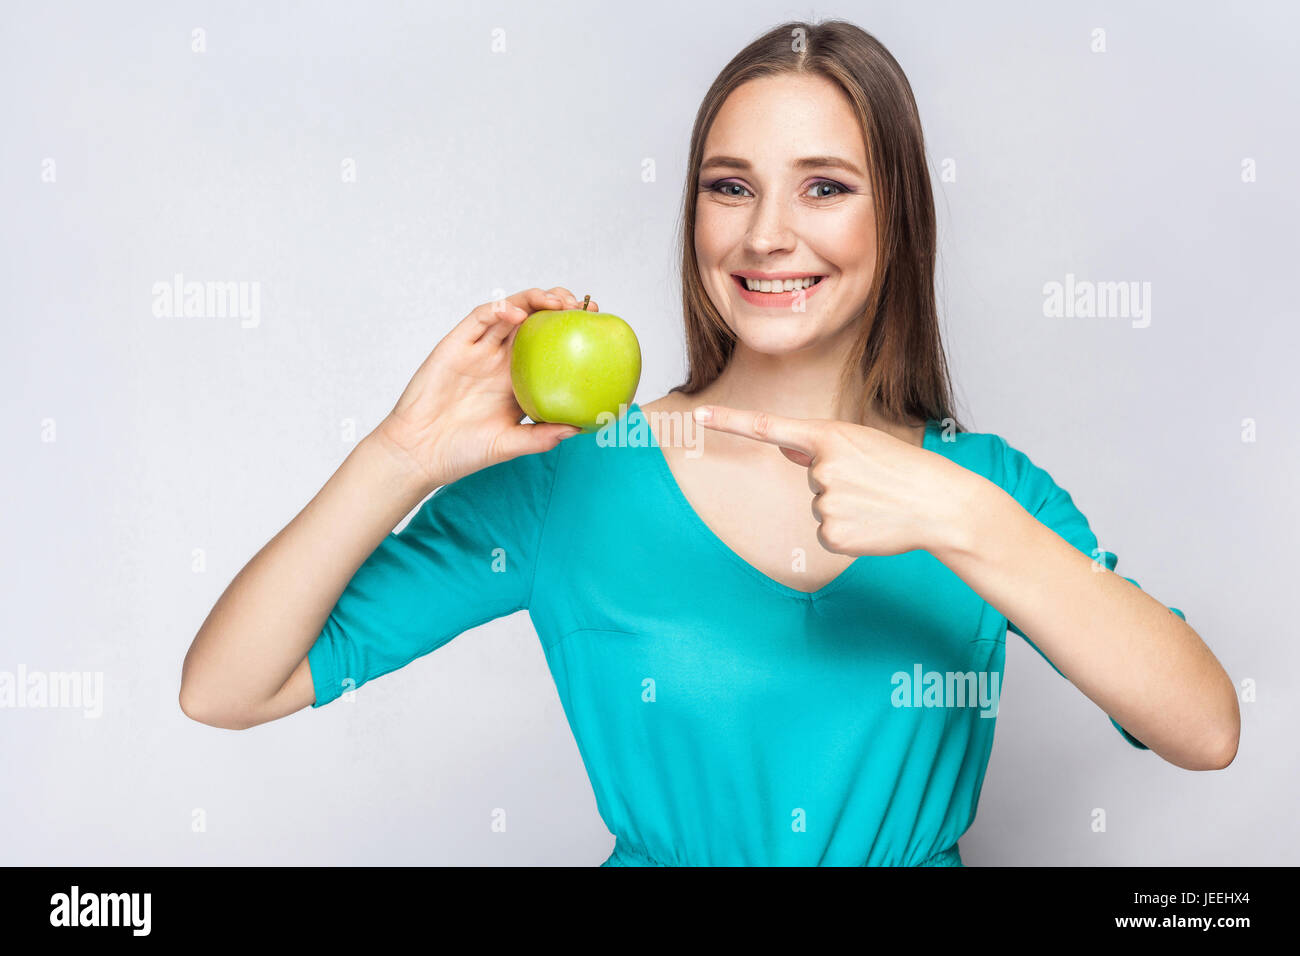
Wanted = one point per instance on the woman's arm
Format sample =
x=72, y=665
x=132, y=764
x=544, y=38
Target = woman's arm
x=248, y=663
x=458, y=415
x=1137, y=660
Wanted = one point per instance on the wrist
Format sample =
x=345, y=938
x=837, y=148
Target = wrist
x=400, y=471
x=967, y=501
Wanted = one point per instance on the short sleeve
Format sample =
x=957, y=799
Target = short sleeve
x=1052, y=505
x=467, y=556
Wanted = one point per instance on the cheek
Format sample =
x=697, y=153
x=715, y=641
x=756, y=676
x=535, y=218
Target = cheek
x=712, y=236
x=851, y=244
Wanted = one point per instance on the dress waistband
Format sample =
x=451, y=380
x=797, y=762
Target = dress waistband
x=948, y=857
x=626, y=854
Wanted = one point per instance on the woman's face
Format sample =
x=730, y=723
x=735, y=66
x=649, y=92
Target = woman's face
x=764, y=208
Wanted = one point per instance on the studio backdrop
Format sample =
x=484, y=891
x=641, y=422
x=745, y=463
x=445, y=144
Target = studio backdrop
x=362, y=175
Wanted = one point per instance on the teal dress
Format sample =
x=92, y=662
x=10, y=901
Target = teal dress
x=723, y=717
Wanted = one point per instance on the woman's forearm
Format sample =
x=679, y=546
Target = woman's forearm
x=1127, y=652
x=269, y=616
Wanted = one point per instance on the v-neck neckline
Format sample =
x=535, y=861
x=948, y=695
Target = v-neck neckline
x=693, y=518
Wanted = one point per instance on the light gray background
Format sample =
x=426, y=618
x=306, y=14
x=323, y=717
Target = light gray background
x=479, y=172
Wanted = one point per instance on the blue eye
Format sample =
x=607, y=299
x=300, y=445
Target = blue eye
x=719, y=186
x=724, y=184
x=826, y=182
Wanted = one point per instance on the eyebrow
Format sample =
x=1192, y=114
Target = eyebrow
x=808, y=162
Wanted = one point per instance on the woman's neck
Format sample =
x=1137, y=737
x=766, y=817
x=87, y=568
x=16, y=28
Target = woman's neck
x=796, y=385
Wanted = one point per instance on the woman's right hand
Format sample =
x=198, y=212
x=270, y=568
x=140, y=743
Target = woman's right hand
x=459, y=413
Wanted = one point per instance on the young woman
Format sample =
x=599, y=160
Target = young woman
x=779, y=645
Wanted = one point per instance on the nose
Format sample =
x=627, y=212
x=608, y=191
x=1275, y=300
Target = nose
x=769, y=229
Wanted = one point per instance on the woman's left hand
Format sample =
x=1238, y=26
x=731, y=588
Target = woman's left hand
x=872, y=493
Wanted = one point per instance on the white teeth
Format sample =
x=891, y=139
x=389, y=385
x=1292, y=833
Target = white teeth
x=780, y=285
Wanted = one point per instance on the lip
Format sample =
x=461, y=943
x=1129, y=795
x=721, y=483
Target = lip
x=775, y=300
x=750, y=274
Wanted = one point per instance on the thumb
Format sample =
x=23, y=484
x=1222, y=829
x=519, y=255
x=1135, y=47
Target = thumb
x=534, y=438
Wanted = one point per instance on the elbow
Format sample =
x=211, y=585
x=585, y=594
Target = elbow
x=1219, y=740
x=197, y=710
x=1215, y=755
x=202, y=705
x=191, y=706
x=1227, y=750
x=1224, y=751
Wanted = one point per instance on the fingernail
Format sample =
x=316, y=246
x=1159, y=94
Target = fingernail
x=703, y=414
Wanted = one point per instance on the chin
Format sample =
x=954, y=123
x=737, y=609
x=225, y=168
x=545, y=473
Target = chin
x=776, y=337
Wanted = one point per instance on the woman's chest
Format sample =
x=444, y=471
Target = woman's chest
x=761, y=511
x=631, y=582
x=657, y=595
x=704, y=647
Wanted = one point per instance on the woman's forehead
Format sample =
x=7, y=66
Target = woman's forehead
x=776, y=121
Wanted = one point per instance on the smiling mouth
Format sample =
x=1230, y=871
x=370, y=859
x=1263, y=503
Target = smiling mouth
x=776, y=286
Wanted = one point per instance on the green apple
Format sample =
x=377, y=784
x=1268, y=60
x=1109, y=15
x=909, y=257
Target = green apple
x=570, y=365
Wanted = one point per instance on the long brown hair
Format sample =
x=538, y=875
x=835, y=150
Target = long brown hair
x=897, y=361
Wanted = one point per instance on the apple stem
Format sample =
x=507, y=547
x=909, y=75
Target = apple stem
x=585, y=300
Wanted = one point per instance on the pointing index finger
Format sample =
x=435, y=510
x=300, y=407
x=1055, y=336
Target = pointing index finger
x=797, y=433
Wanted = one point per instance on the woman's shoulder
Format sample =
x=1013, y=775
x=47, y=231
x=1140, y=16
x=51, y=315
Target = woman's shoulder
x=523, y=484
x=986, y=453
x=996, y=458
